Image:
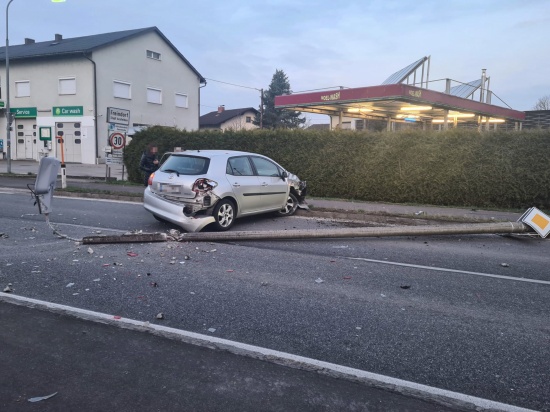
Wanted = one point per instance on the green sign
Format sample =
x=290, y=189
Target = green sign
x=45, y=133
x=1, y=103
x=23, y=112
x=68, y=111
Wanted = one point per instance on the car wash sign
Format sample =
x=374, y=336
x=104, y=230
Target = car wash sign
x=68, y=111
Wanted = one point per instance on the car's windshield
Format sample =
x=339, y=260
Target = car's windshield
x=186, y=165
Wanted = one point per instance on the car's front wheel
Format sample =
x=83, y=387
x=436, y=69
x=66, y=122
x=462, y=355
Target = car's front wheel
x=224, y=214
x=290, y=206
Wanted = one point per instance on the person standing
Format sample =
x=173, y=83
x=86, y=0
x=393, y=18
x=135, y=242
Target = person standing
x=149, y=162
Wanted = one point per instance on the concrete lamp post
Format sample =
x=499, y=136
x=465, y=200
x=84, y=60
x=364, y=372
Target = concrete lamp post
x=9, y=116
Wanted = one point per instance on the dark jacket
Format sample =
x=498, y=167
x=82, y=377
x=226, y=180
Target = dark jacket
x=146, y=163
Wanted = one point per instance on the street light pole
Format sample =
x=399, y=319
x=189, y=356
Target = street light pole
x=9, y=117
x=8, y=113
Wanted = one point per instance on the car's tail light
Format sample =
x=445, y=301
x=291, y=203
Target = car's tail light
x=150, y=181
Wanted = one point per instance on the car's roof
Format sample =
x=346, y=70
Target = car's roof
x=212, y=153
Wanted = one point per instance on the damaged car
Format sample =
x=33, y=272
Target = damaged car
x=196, y=188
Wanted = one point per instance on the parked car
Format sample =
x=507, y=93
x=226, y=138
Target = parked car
x=196, y=188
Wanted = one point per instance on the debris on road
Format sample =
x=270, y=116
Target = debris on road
x=8, y=288
x=211, y=330
x=3, y=235
x=405, y=286
x=347, y=277
x=319, y=280
x=69, y=285
x=505, y=265
x=160, y=315
x=90, y=251
x=42, y=398
x=132, y=254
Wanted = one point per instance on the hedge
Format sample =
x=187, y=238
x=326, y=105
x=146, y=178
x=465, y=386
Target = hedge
x=465, y=168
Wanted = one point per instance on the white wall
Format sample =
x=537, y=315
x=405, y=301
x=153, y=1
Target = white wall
x=127, y=62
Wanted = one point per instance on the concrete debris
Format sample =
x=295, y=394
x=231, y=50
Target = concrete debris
x=42, y=398
x=160, y=315
x=69, y=285
x=505, y=265
x=3, y=235
x=8, y=289
x=211, y=330
x=90, y=251
x=319, y=280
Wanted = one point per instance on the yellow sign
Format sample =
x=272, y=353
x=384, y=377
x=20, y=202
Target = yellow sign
x=537, y=220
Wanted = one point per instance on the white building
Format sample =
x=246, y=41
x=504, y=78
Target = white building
x=65, y=87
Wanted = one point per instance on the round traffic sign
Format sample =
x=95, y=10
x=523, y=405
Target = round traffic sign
x=117, y=140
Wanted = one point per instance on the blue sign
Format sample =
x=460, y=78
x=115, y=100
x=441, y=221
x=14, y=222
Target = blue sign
x=1, y=145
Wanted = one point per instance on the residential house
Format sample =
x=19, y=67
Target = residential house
x=79, y=91
x=235, y=119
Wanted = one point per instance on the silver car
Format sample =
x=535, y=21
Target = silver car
x=196, y=188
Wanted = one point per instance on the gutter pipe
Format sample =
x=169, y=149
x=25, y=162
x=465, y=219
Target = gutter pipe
x=96, y=128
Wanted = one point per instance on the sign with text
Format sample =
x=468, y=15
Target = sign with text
x=118, y=116
x=114, y=158
x=114, y=127
x=68, y=111
x=23, y=112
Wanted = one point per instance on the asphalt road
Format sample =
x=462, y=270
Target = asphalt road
x=381, y=305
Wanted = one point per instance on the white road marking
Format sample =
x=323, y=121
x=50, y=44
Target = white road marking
x=403, y=387
x=489, y=275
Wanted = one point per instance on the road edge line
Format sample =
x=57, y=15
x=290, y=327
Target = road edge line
x=407, y=388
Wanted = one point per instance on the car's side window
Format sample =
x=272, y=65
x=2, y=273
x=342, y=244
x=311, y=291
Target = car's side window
x=264, y=167
x=239, y=166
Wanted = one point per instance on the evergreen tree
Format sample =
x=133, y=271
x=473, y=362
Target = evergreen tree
x=277, y=118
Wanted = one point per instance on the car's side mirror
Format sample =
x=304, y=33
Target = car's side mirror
x=284, y=175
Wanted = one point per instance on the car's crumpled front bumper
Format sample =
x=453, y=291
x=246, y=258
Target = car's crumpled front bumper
x=300, y=190
x=173, y=212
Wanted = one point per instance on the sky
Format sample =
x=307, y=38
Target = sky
x=321, y=44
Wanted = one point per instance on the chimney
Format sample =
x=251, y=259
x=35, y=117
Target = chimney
x=58, y=37
x=29, y=41
x=221, y=108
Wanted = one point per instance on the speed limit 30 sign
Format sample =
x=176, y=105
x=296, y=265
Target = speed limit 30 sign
x=117, y=140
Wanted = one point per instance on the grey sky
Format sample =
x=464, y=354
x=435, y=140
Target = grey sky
x=321, y=43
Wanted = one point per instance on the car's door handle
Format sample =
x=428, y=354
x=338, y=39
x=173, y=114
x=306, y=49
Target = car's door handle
x=264, y=184
x=236, y=185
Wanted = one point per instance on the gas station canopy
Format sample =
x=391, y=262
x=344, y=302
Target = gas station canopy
x=398, y=99
x=398, y=102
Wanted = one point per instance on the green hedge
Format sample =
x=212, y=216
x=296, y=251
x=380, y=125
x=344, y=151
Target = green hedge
x=454, y=168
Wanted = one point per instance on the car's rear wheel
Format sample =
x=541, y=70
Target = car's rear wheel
x=224, y=213
x=290, y=207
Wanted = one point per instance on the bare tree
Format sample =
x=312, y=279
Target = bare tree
x=543, y=103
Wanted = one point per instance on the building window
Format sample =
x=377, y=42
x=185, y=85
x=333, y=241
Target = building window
x=359, y=124
x=23, y=89
x=181, y=100
x=154, y=95
x=346, y=125
x=248, y=119
x=67, y=85
x=122, y=90
x=153, y=55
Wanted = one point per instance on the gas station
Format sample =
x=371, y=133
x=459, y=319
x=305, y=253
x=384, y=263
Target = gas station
x=404, y=100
